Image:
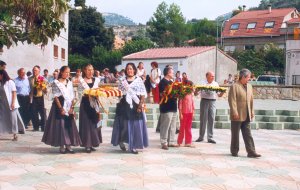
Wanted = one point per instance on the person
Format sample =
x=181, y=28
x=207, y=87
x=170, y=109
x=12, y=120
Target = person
x=2, y=65
x=23, y=91
x=230, y=79
x=10, y=119
x=240, y=99
x=37, y=100
x=109, y=77
x=168, y=113
x=53, y=77
x=141, y=72
x=186, y=109
x=178, y=77
x=89, y=114
x=253, y=78
x=155, y=79
x=208, y=108
x=130, y=120
x=61, y=130
x=76, y=79
x=148, y=87
x=28, y=74
x=46, y=75
x=184, y=77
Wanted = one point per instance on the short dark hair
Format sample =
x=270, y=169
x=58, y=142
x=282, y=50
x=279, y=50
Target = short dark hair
x=5, y=76
x=133, y=66
x=61, y=70
x=46, y=70
x=36, y=66
x=166, y=70
x=2, y=63
x=28, y=73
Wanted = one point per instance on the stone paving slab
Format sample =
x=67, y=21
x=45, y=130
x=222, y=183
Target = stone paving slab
x=28, y=164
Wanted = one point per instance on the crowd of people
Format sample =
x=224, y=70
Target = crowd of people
x=22, y=100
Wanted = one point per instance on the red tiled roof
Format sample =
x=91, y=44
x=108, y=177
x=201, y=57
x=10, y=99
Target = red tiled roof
x=167, y=53
x=260, y=18
x=294, y=20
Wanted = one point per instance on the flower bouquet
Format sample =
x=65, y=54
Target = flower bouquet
x=210, y=88
x=40, y=85
x=177, y=90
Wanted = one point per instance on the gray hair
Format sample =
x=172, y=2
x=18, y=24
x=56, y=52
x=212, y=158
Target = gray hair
x=244, y=73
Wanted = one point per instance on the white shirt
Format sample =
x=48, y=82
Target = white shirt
x=156, y=73
x=10, y=87
x=209, y=94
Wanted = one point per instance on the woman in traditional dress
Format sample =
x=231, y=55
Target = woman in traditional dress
x=89, y=115
x=155, y=79
x=130, y=120
x=10, y=119
x=61, y=128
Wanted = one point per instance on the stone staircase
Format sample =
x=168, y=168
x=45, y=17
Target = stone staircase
x=264, y=119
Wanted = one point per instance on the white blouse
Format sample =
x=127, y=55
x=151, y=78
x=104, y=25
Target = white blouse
x=156, y=73
x=10, y=87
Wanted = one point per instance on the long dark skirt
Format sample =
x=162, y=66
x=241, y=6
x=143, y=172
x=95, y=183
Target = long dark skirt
x=60, y=131
x=130, y=128
x=89, y=133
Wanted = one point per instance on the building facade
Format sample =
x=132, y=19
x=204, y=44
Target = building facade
x=292, y=62
x=254, y=29
x=195, y=61
x=51, y=57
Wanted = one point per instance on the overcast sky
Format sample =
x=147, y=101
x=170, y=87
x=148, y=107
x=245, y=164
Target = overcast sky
x=140, y=11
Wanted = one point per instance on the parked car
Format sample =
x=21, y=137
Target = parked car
x=276, y=79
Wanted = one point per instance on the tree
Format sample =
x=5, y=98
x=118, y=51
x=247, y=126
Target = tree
x=102, y=58
x=87, y=31
x=274, y=57
x=30, y=21
x=167, y=26
x=204, y=40
x=136, y=46
x=203, y=26
x=77, y=61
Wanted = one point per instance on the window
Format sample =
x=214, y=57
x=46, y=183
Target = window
x=251, y=25
x=55, y=51
x=235, y=26
x=63, y=53
x=269, y=24
x=229, y=48
x=249, y=47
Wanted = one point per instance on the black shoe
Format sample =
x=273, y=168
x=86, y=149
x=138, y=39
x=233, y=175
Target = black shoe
x=70, y=151
x=235, y=155
x=21, y=132
x=62, y=151
x=253, y=155
x=199, y=140
x=211, y=141
x=165, y=147
x=93, y=149
x=157, y=130
x=88, y=150
x=122, y=146
x=134, y=152
x=177, y=131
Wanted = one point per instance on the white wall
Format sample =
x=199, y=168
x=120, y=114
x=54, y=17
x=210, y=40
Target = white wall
x=26, y=56
x=292, y=60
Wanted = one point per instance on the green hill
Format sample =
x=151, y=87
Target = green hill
x=113, y=19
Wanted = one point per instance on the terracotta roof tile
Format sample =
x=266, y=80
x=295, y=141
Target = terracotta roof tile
x=167, y=53
x=260, y=18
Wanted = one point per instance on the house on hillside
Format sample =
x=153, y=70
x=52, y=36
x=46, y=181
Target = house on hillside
x=195, y=61
x=53, y=56
x=254, y=29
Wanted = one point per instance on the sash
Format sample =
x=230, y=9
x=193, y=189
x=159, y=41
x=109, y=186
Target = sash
x=67, y=97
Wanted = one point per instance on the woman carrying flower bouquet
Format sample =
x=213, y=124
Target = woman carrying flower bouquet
x=89, y=115
x=10, y=119
x=130, y=122
x=61, y=128
x=186, y=109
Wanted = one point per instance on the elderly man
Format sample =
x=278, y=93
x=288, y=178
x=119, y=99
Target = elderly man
x=208, y=108
x=240, y=100
x=23, y=90
x=37, y=99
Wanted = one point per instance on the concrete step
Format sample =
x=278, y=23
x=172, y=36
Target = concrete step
x=222, y=118
x=262, y=118
x=289, y=119
x=272, y=126
x=293, y=126
x=264, y=112
x=287, y=112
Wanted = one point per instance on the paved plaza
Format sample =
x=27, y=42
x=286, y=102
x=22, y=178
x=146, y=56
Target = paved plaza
x=29, y=164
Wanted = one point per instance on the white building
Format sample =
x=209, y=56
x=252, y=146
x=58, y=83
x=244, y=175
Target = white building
x=195, y=61
x=51, y=57
x=292, y=62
